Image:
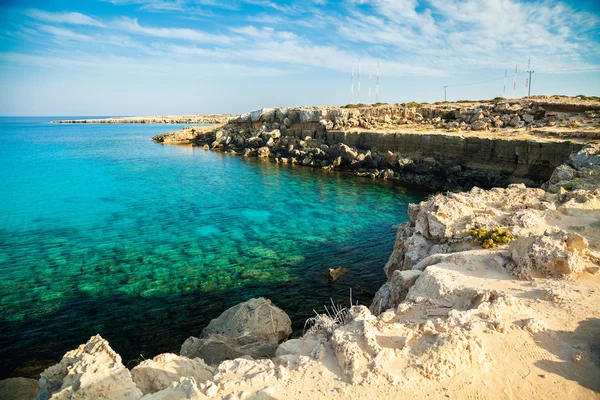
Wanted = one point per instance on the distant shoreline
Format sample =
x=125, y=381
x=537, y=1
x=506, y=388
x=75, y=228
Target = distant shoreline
x=161, y=119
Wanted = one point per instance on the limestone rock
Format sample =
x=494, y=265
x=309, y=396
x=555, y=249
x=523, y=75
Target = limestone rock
x=479, y=125
x=443, y=286
x=241, y=373
x=561, y=255
x=445, y=356
x=214, y=348
x=263, y=152
x=185, y=388
x=93, y=370
x=528, y=118
x=19, y=389
x=151, y=376
x=394, y=291
x=256, y=317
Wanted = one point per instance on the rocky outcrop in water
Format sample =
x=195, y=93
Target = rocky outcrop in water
x=434, y=147
x=254, y=328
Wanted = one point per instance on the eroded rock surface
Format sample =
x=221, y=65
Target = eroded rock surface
x=154, y=375
x=93, y=370
x=256, y=317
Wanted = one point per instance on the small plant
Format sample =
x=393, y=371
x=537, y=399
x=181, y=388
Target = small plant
x=327, y=323
x=412, y=104
x=490, y=239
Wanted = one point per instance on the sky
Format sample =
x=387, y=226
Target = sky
x=148, y=57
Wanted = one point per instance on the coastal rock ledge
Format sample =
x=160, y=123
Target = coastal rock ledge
x=449, y=146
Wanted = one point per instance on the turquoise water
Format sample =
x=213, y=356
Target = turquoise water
x=103, y=231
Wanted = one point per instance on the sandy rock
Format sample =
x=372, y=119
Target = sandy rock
x=255, y=317
x=93, y=370
x=214, y=349
x=411, y=247
x=533, y=325
x=354, y=344
x=442, y=285
x=561, y=255
x=151, y=376
x=242, y=373
x=394, y=291
x=184, y=388
x=444, y=356
x=19, y=389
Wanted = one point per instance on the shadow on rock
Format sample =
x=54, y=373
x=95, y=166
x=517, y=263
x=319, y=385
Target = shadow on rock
x=579, y=353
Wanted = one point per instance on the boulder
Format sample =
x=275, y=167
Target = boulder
x=561, y=255
x=93, y=370
x=19, y=389
x=257, y=318
x=263, y=152
x=394, y=291
x=151, y=376
x=215, y=348
x=479, y=125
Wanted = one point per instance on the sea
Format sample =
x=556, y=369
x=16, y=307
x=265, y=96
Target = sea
x=104, y=232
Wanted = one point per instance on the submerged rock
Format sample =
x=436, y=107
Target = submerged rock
x=335, y=274
x=19, y=389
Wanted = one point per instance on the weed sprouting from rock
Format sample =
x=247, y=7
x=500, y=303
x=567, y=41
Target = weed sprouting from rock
x=328, y=322
x=490, y=239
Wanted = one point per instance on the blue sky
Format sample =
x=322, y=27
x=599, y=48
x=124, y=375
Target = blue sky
x=134, y=57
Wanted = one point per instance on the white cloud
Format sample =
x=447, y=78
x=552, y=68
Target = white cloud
x=63, y=33
x=464, y=34
x=73, y=18
x=132, y=26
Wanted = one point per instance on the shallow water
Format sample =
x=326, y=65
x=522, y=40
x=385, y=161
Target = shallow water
x=103, y=231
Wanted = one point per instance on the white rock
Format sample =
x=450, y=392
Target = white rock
x=91, y=371
x=151, y=376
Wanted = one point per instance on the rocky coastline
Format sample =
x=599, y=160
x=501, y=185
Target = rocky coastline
x=455, y=319
x=450, y=146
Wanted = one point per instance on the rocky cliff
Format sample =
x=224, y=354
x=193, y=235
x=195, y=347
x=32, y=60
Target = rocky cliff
x=447, y=146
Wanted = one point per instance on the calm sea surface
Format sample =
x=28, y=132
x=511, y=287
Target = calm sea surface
x=103, y=231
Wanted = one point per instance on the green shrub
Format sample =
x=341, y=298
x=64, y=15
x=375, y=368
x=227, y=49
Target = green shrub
x=412, y=104
x=378, y=104
x=498, y=99
x=490, y=239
